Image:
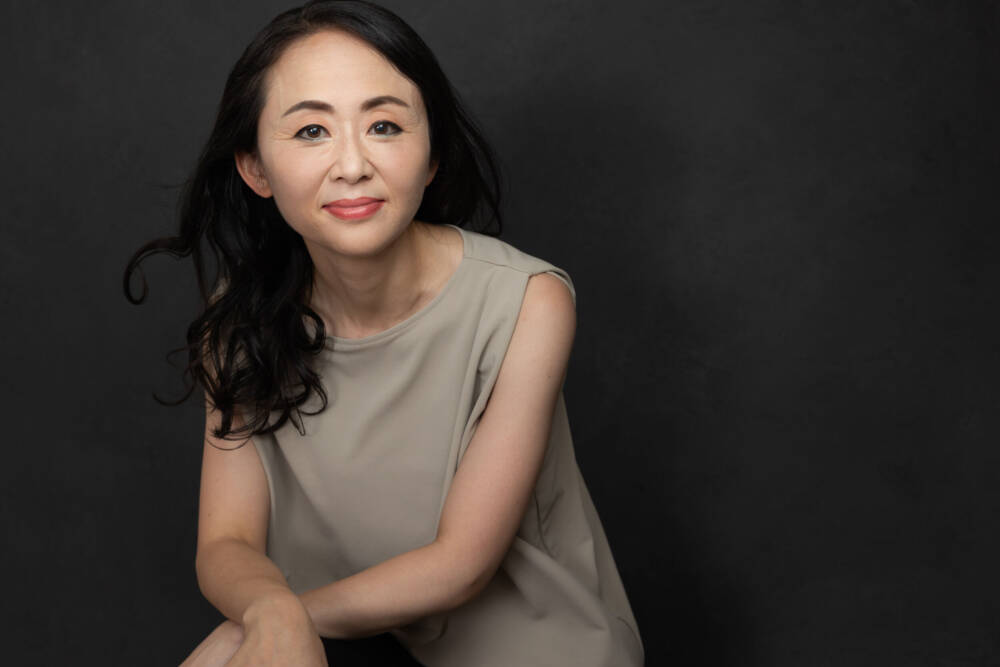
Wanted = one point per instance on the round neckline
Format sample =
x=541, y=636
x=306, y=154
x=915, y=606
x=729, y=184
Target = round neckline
x=353, y=343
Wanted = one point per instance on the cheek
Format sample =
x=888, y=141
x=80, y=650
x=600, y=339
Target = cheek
x=408, y=169
x=294, y=176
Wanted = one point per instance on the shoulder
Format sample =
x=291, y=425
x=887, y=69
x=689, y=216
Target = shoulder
x=548, y=315
x=547, y=293
x=500, y=257
x=494, y=250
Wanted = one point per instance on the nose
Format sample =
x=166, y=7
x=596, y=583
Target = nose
x=350, y=161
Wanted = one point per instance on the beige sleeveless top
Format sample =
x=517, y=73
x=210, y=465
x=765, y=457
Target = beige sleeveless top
x=368, y=479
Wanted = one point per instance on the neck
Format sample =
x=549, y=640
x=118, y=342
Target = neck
x=358, y=296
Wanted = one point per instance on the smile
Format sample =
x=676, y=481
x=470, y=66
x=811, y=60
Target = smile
x=356, y=212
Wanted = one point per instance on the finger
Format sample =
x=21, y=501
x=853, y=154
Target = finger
x=241, y=658
x=214, y=651
x=195, y=659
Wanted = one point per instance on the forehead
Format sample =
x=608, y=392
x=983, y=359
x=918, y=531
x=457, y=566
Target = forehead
x=336, y=67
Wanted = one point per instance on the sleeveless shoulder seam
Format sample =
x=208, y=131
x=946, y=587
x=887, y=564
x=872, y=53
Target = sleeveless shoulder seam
x=496, y=251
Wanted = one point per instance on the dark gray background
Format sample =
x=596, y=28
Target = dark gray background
x=780, y=218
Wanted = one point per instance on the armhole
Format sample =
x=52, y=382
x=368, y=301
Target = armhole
x=505, y=335
x=563, y=276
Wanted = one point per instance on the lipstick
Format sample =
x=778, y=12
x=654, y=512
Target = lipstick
x=354, y=209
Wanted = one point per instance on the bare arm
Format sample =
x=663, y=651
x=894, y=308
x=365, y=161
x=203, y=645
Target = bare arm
x=238, y=580
x=393, y=593
x=268, y=624
x=233, y=571
x=484, y=507
x=490, y=492
x=236, y=576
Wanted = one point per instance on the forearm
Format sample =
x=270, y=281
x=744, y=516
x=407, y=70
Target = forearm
x=232, y=576
x=393, y=593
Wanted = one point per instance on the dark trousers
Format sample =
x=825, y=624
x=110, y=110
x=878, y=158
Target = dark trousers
x=378, y=651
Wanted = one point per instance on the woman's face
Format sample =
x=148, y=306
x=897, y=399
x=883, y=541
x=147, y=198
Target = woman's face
x=339, y=122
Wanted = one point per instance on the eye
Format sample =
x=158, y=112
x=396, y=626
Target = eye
x=389, y=127
x=307, y=132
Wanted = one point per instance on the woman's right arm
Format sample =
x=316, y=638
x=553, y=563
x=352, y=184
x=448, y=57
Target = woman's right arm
x=233, y=570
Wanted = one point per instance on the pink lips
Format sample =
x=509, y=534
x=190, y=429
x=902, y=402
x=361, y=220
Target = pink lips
x=354, y=209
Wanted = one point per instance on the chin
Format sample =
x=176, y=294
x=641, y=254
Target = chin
x=360, y=238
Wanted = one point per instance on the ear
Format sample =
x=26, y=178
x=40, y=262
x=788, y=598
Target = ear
x=252, y=173
x=432, y=173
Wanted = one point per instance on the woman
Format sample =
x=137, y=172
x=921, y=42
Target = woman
x=399, y=377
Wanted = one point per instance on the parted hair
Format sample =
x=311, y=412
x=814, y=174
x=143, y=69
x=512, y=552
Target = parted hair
x=250, y=347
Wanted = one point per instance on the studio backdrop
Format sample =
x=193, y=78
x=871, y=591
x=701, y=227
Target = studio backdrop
x=781, y=223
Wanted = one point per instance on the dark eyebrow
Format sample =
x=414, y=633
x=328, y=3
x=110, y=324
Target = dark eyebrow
x=365, y=106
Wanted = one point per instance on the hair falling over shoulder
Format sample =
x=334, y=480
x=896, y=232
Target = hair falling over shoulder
x=250, y=347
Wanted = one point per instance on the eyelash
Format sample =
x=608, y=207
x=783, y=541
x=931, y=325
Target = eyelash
x=380, y=122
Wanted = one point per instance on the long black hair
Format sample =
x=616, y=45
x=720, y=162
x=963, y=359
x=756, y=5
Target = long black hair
x=249, y=347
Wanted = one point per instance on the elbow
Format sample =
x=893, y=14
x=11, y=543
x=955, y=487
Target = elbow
x=204, y=559
x=465, y=592
x=473, y=586
x=465, y=577
x=201, y=567
x=203, y=556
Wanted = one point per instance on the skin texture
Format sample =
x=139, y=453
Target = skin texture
x=371, y=274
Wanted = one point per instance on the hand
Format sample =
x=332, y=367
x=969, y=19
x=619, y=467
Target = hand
x=218, y=647
x=279, y=633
